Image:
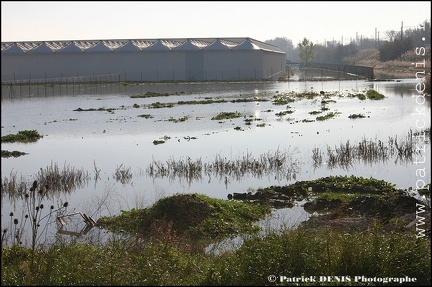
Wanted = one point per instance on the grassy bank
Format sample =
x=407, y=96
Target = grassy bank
x=395, y=69
x=295, y=253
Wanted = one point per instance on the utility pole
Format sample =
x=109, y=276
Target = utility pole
x=375, y=37
x=401, y=30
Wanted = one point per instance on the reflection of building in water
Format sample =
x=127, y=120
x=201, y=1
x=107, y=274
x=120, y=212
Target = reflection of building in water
x=71, y=224
x=203, y=59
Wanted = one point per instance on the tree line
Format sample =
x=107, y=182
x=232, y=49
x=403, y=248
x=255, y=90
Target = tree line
x=392, y=48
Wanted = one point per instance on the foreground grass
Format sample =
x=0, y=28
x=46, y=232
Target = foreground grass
x=296, y=253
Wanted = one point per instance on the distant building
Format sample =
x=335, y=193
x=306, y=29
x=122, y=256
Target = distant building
x=145, y=60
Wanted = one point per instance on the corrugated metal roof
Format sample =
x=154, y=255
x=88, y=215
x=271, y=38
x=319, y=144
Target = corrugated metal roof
x=11, y=48
x=188, y=46
x=142, y=44
x=247, y=45
x=131, y=45
x=71, y=48
x=99, y=47
x=217, y=45
x=158, y=46
x=43, y=48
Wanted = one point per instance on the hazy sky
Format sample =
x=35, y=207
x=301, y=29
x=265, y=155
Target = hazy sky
x=317, y=21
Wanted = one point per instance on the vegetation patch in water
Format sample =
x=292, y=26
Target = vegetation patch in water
x=226, y=115
x=323, y=102
x=374, y=95
x=283, y=113
x=315, y=112
x=356, y=116
x=327, y=116
x=146, y=116
x=340, y=197
x=24, y=136
x=279, y=101
x=182, y=119
x=155, y=94
x=15, y=153
x=159, y=105
x=361, y=97
x=192, y=214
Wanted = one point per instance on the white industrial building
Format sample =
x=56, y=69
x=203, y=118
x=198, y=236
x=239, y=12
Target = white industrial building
x=145, y=60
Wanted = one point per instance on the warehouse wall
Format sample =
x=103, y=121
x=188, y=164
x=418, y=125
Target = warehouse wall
x=202, y=65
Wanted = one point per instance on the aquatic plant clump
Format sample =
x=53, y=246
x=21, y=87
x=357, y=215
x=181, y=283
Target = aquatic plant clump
x=22, y=136
x=211, y=218
x=226, y=115
x=15, y=153
x=374, y=95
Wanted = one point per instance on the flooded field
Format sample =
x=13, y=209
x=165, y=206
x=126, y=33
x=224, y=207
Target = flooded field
x=134, y=144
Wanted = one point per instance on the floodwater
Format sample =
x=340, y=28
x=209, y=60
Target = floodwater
x=101, y=143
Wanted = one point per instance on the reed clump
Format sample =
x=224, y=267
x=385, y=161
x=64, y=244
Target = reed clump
x=368, y=151
x=278, y=162
x=66, y=179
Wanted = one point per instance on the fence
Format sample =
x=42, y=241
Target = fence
x=32, y=80
x=165, y=75
x=364, y=71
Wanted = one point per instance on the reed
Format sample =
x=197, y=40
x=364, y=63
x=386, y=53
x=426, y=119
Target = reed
x=123, y=174
x=66, y=179
x=13, y=186
x=279, y=163
x=368, y=151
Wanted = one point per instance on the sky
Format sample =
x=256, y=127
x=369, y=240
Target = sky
x=261, y=20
